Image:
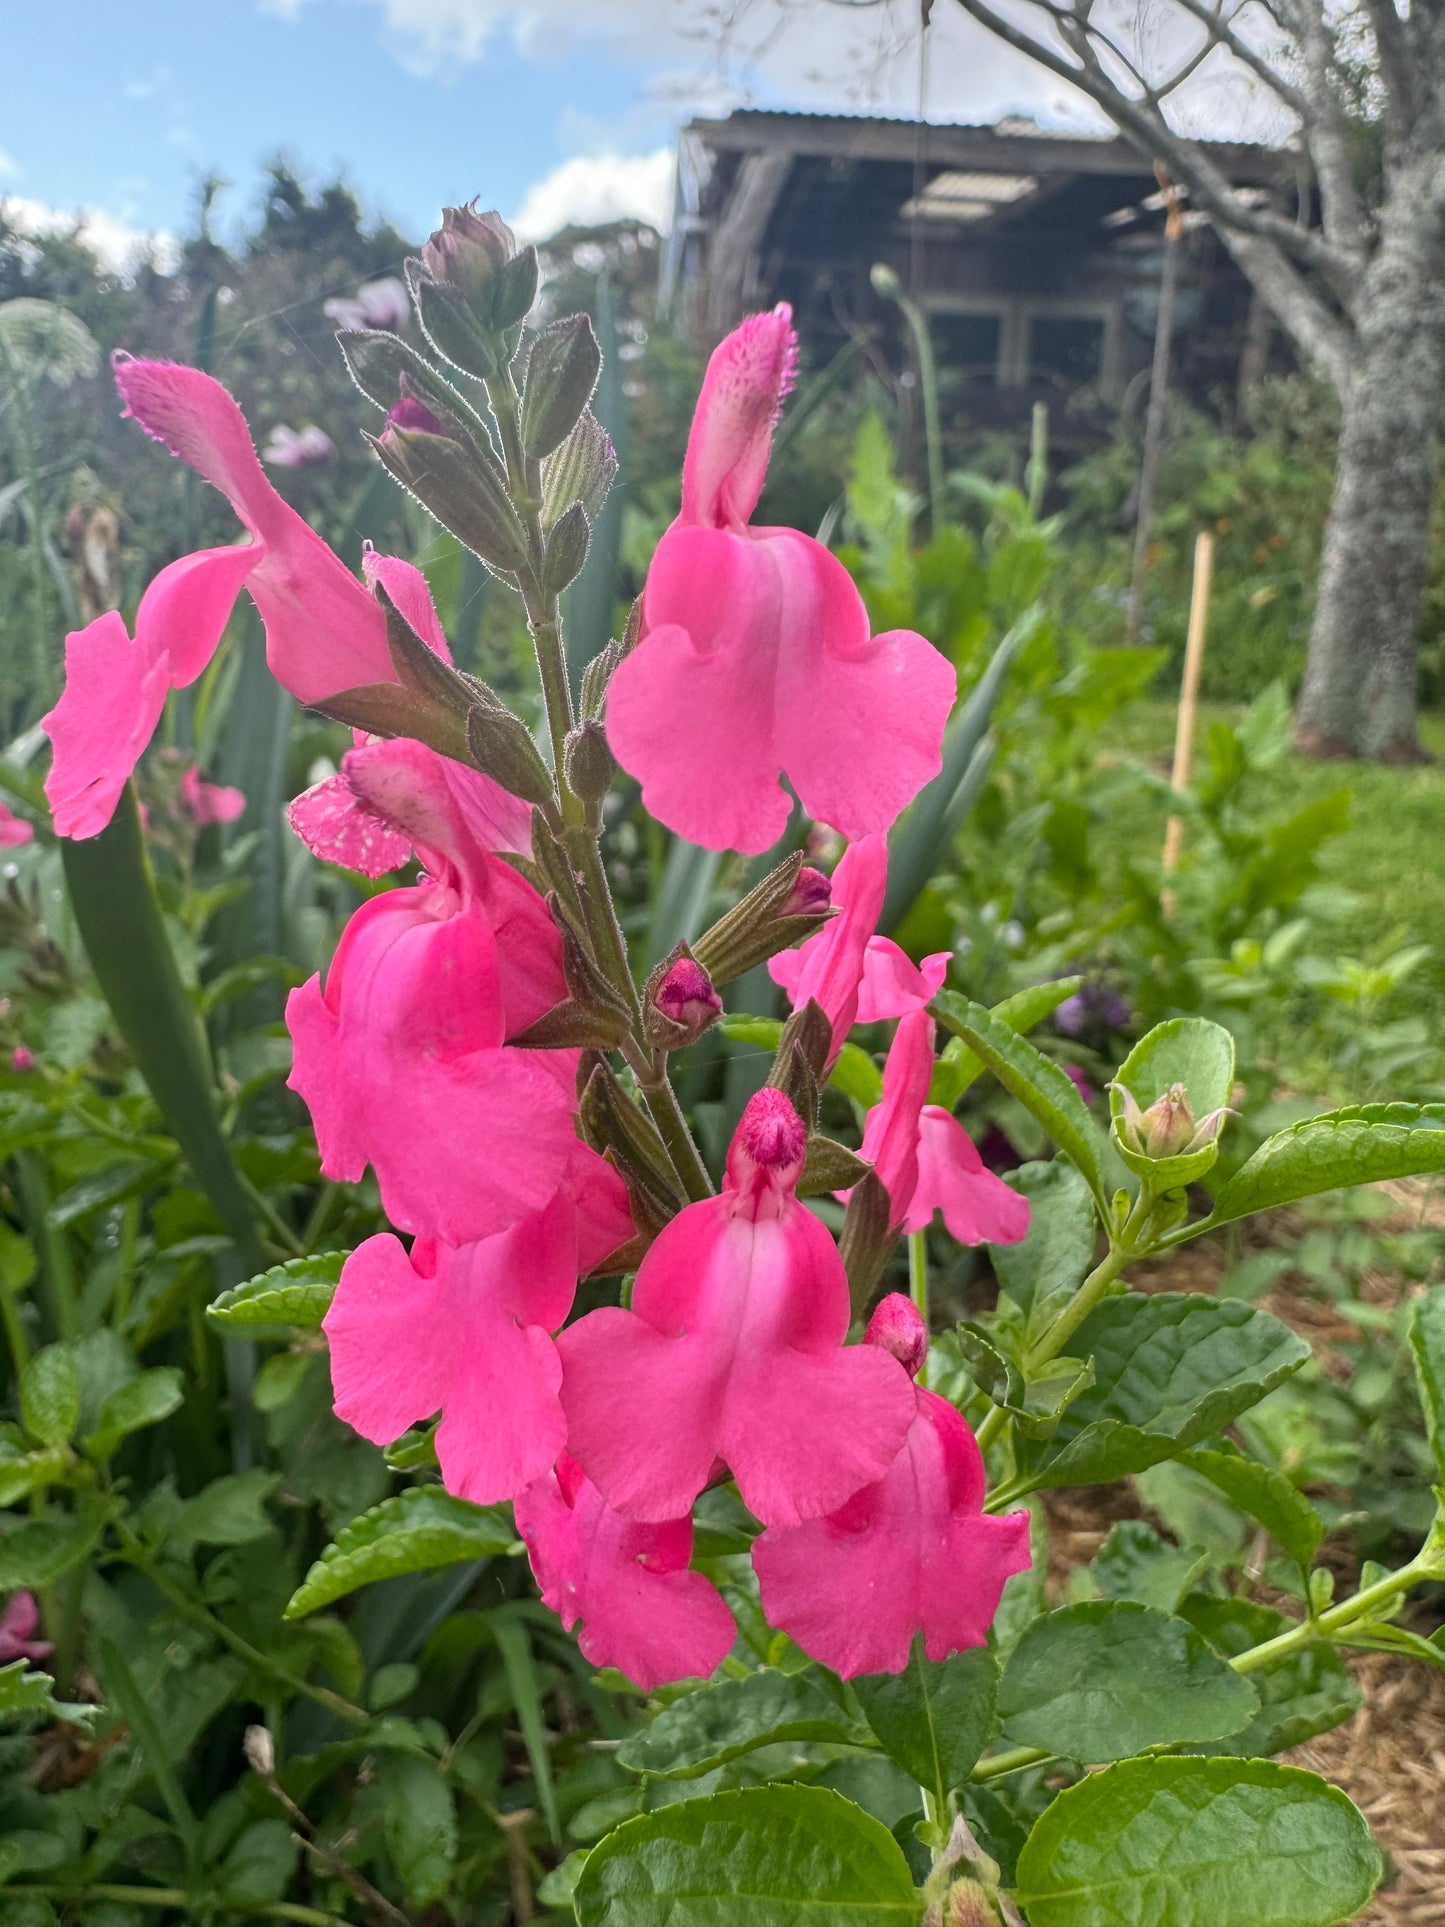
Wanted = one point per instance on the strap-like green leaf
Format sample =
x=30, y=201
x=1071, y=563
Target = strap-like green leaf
x=113, y=894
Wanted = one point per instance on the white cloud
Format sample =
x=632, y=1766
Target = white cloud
x=118, y=242
x=590, y=189
x=9, y=167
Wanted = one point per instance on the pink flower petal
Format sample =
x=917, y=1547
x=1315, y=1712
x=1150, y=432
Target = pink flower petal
x=185, y=609
x=749, y=374
x=893, y=984
x=890, y=1135
x=641, y=1610
x=335, y=825
x=324, y=633
x=14, y=830
x=733, y=1349
x=829, y=968
x=913, y=1553
x=115, y=691
x=978, y=1207
x=410, y=591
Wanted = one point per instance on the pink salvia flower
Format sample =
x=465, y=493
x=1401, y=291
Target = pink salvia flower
x=467, y=1332
x=210, y=802
x=641, y=1610
x=324, y=633
x=19, y=1624
x=383, y=304
x=925, y=1158
x=733, y=1350
x=755, y=658
x=913, y=1553
x=855, y=975
x=311, y=448
x=22, y=1058
x=14, y=830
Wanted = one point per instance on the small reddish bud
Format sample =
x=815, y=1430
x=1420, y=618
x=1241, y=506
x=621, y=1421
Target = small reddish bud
x=686, y=994
x=412, y=417
x=812, y=894
x=1167, y=1129
x=897, y=1327
x=22, y=1059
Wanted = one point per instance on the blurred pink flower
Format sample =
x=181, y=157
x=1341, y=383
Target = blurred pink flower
x=913, y=1553
x=755, y=659
x=311, y=448
x=641, y=1609
x=22, y=1059
x=210, y=802
x=14, y=830
x=734, y=1350
x=383, y=304
x=19, y=1623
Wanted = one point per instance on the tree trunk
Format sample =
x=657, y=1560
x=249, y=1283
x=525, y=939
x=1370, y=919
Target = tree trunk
x=1360, y=694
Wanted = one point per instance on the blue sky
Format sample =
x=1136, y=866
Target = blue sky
x=420, y=102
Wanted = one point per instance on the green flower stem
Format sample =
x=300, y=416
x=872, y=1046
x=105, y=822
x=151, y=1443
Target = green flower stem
x=136, y=1553
x=1078, y=1308
x=1014, y=1761
x=178, y=1899
x=54, y=1247
x=918, y=1272
x=994, y=1420
x=667, y=1115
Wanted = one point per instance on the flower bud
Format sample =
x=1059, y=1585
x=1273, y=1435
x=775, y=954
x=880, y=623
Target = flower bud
x=581, y=470
x=775, y=914
x=469, y=251
x=562, y=371
x=590, y=764
x=679, y=1004
x=413, y=415
x=897, y=1327
x=455, y=480
x=1167, y=1129
x=260, y=1750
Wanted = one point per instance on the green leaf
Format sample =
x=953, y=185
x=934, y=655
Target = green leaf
x=1427, y=1344
x=22, y=1691
x=1135, y=1563
x=1281, y=1508
x=1042, y=1272
x=1307, y=1691
x=112, y=892
x=718, y=1723
x=1104, y=1680
x=141, y=1401
x=762, y=1857
x=297, y=1293
x=411, y=1532
x=50, y=1395
x=1169, y=1370
x=421, y=1825
x=22, y=1473
x=933, y=1718
x=1045, y=1091
x=41, y=1551
x=855, y=1074
x=257, y=1869
x=1198, y=1843
x=228, y=1512
x=132, y=1705
x=1360, y=1145
x=957, y=1068
x=514, y=1643
x=1190, y=1051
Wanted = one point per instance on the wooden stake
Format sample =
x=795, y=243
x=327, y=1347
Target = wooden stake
x=1188, y=699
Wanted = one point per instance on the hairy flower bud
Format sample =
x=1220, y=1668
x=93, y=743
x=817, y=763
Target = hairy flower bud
x=562, y=371
x=455, y=479
x=590, y=763
x=469, y=250
x=1167, y=1129
x=679, y=1003
x=473, y=290
x=787, y=906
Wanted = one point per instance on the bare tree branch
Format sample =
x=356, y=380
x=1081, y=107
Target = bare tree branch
x=1325, y=134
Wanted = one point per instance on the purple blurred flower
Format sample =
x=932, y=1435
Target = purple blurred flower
x=381, y=304
x=1093, y=1007
x=312, y=448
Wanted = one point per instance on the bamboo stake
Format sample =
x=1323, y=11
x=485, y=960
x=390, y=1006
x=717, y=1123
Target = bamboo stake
x=1188, y=700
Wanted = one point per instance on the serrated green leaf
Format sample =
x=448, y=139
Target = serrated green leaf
x=722, y=1722
x=298, y=1293
x=228, y=1512
x=760, y=1857
x=957, y=1068
x=1306, y=1692
x=23, y=1691
x=41, y=1551
x=1045, y=1091
x=411, y=1532
x=1135, y=1563
x=1042, y=1271
x=1103, y=1680
x=50, y=1395
x=421, y=1825
x=1183, y=1842
x=933, y=1718
x=141, y=1401
x=1281, y=1508
x=1170, y=1371
x=1427, y=1347
x=1359, y=1145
